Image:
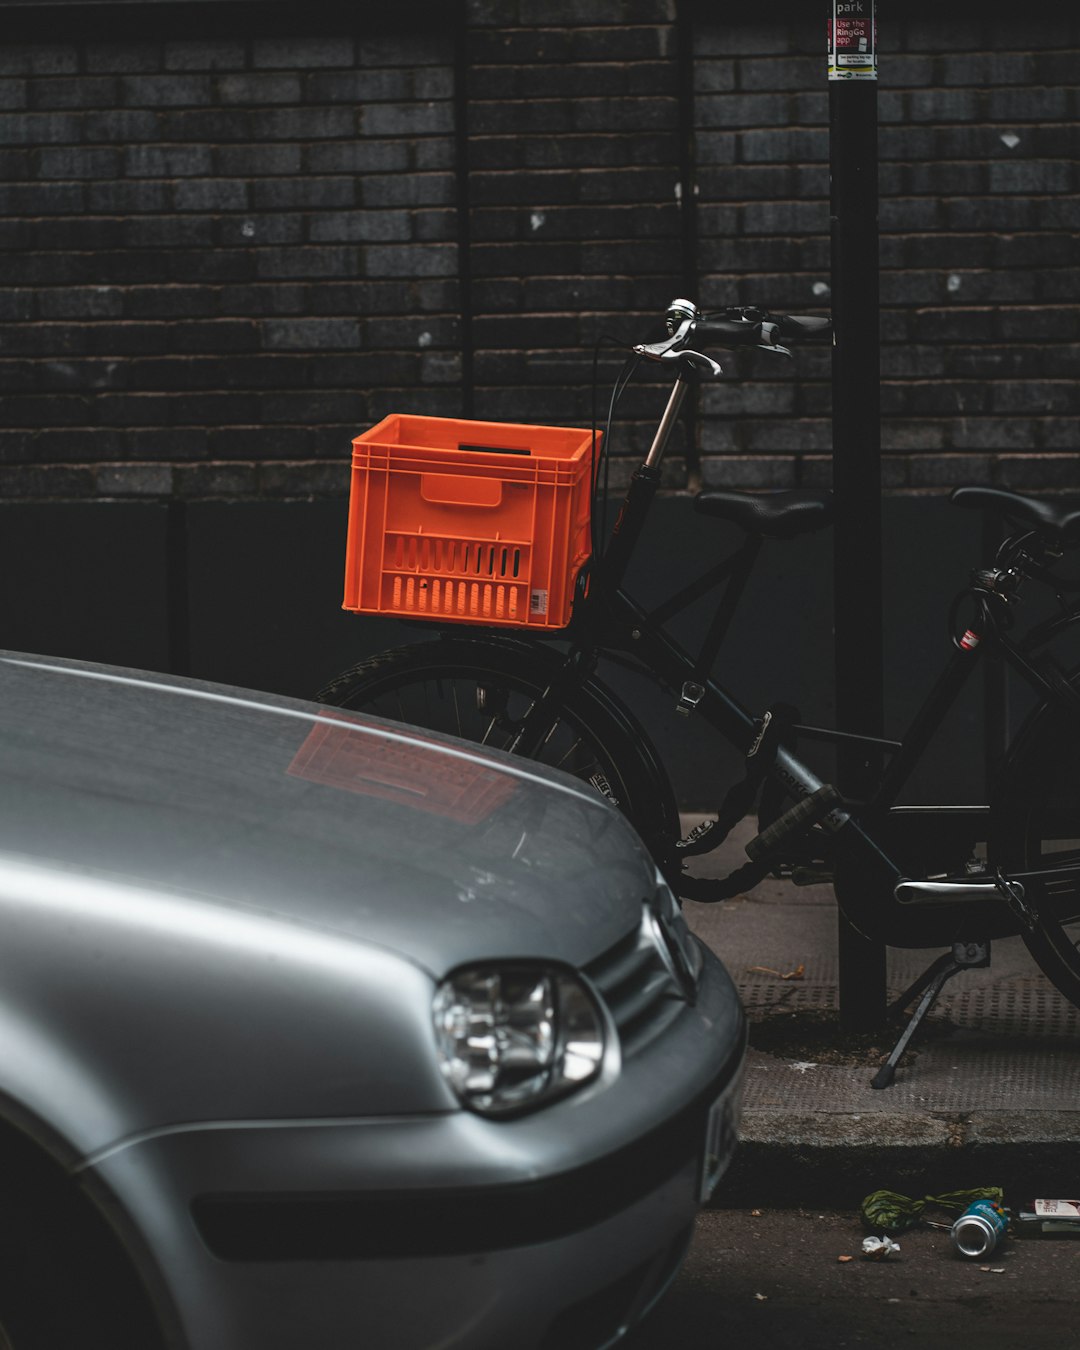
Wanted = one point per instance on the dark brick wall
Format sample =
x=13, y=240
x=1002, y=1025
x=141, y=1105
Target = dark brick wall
x=223, y=254
x=979, y=218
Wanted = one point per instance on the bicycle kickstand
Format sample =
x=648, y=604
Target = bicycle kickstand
x=964, y=956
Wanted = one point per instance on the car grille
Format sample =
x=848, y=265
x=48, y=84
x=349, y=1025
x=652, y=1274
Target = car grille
x=636, y=980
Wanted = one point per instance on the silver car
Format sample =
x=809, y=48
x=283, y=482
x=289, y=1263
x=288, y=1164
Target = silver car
x=320, y=1033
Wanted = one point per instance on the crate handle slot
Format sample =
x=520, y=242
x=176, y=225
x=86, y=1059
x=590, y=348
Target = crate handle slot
x=450, y=490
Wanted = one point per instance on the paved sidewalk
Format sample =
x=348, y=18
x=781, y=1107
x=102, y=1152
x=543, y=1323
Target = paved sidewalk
x=988, y=1095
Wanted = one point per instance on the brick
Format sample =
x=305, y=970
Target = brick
x=166, y=302
x=122, y=125
x=361, y=157
x=1034, y=396
x=986, y=68
x=81, y=303
x=306, y=262
x=742, y=39
x=52, y=410
x=1059, y=434
x=197, y=54
x=1055, y=67
x=943, y=105
x=210, y=194
x=266, y=298
x=77, y=444
x=38, y=59
x=18, y=304
x=785, y=218
x=313, y=408
x=948, y=397
x=404, y=260
x=168, y=232
x=158, y=442
x=993, y=213
x=741, y=111
x=992, y=434
x=166, y=91
x=785, y=73
x=259, y=89
x=903, y=70
x=1042, y=324
x=168, y=161
x=127, y=197
x=414, y=189
x=302, y=53
x=244, y=231
x=38, y=128
x=435, y=226
x=84, y=92
x=48, y=482
x=358, y=86
x=204, y=409
x=77, y=232
x=898, y=434
x=37, y=199
x=215, y=481
x=243, y=161
x=304, y=480
x=290, y=124
x=911, y=214
x=213, y=125
x=303, y=192
x=13, y=94
x=783, y=147
x=306, y=334
x=359, y=226
x=134, y=480
x=1027, y=105
x=1034, y=176
x=1034, y=250
x=123, y=58
x=1029, y=472
x=936, y=35
x=73, y=161
x=260, y=442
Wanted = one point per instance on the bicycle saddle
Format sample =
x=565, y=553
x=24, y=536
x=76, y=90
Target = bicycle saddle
x=1051, y=516
x=777, y=515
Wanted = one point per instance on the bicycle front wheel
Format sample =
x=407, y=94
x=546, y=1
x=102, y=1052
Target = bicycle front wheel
x=480, y=690
x=1037, y=826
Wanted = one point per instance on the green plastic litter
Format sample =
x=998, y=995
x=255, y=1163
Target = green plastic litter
x=888, y=1212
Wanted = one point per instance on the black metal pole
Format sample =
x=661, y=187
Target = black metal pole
x=856, y=449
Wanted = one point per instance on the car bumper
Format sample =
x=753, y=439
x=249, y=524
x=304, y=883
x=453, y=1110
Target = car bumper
x=559, y=1229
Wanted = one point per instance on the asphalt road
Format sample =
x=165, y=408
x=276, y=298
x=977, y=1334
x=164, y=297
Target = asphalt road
x=775, y=1280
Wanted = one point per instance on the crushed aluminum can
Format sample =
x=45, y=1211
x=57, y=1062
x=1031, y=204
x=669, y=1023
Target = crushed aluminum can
x=979, y=1229
x=878, y=1248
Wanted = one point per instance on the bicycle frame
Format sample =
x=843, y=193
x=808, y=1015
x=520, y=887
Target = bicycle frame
x=608, y=620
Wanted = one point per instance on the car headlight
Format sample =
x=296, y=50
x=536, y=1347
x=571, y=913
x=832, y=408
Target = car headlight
x=512, y=1036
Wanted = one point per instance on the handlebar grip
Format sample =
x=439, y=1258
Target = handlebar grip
x=802, y=326
x=727, y=332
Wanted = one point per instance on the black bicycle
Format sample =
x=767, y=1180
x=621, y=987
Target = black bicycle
x=908, y=877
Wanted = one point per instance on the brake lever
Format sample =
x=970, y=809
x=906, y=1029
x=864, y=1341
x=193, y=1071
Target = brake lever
x=656, y=351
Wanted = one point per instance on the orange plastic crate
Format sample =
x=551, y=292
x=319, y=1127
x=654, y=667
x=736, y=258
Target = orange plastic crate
x=468, y=522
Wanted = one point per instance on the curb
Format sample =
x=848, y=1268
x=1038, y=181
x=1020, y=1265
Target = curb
x=834, y=1159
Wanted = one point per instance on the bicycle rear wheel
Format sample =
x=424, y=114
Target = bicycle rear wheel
x=1037, y=825
x=480, y=690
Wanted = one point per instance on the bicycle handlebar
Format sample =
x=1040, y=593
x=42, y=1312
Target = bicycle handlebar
x=738, y=326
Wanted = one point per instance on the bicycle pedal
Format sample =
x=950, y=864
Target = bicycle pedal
x=701, y=839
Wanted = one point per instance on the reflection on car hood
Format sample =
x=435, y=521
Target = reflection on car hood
x=412, y=842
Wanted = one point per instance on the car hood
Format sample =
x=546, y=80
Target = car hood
x=335, y=821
